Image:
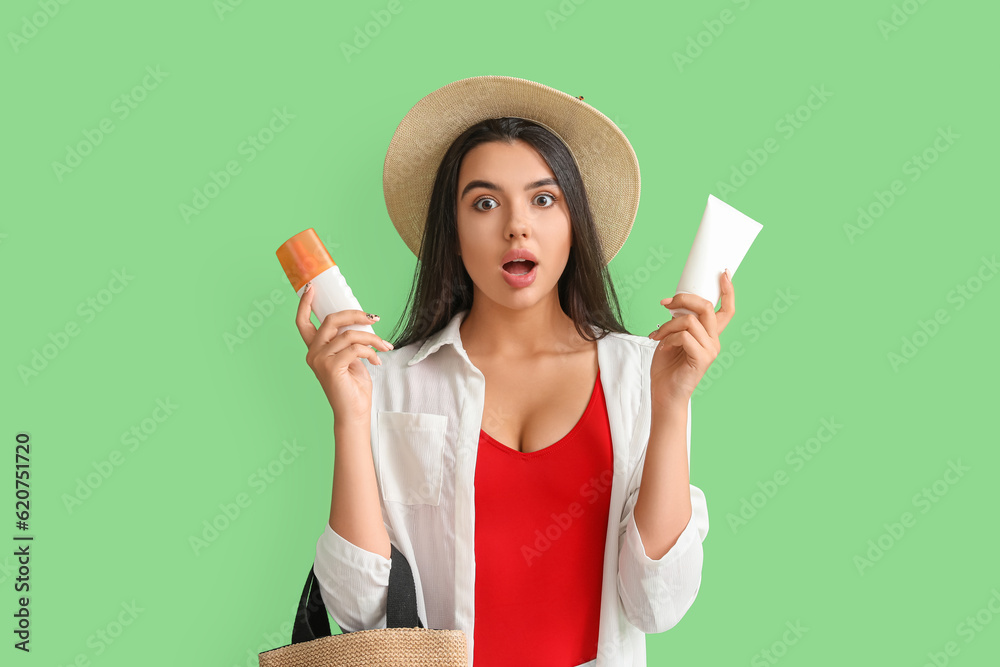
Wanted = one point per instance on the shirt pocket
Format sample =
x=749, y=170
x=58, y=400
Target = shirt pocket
x=411, y=453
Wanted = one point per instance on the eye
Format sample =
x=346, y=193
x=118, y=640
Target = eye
x=550, y=197
x=553, y=199
x=476, y=206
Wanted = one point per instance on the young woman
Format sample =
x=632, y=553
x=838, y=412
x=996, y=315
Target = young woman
x=524, y=451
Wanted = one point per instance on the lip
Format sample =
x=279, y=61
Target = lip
x=518, y=253
x=520, y=281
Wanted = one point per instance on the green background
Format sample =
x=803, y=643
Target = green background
x=819, y=312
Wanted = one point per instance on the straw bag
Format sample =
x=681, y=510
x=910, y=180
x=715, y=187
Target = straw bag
x=404, y=643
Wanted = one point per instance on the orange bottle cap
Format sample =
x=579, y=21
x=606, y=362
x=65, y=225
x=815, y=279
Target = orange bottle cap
x=303, y=257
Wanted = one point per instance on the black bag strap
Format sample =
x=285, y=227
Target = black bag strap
x=310, y=618
x=401, y=606
x=401, y=609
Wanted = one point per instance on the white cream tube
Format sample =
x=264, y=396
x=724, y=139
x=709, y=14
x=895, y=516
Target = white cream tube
x=722, y=241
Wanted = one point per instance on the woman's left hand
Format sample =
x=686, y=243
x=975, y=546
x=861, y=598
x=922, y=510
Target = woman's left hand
x=689, y=344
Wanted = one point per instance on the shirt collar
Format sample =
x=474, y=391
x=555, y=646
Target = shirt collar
x=448, y=334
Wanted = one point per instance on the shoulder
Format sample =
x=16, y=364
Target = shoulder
x=627, y=339
x=413, y=364
x=395, y=383
x=629, y=346
x=394, y=360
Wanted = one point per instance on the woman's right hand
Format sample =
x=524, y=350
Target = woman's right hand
x=335, y=357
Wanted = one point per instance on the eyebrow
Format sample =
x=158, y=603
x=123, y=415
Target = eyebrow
x=494, y=186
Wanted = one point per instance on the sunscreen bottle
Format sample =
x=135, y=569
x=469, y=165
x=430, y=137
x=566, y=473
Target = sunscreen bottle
x=722, y=241
x=306, y=260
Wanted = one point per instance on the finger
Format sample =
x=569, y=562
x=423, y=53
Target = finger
x=345, y=339
x=351, y=337
x=689, y=323
x=332, y=323
x=728, y=309
x=684, y=339
x=701, y=306
x=356, y=351
x=302, y=321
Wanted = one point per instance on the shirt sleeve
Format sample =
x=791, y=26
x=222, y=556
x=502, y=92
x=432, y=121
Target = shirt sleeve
x=655, y=594
x=354, y=582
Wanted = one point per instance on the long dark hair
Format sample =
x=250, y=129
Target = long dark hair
x=442, y=287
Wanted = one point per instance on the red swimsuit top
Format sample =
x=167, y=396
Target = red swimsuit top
x=540, y=528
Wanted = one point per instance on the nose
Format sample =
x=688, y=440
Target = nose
x=519, y=222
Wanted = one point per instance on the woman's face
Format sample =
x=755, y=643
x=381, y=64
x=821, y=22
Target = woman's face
x=508, y=199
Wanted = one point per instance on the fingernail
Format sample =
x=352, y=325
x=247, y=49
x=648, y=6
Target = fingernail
x=727, y=275
x=668, y=300
x=373, y=318
x=308, y=285
x=389, y=344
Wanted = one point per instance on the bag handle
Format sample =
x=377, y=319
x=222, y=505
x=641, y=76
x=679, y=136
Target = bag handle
x=401, y=608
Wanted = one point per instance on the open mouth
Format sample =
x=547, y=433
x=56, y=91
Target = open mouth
x=519, y=267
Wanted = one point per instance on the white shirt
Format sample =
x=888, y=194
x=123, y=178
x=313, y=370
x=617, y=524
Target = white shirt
x=427, y=412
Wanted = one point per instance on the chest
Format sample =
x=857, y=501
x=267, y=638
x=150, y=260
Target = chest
x=531, y=406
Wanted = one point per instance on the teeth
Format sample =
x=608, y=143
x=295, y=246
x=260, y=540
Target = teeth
x=518, y=272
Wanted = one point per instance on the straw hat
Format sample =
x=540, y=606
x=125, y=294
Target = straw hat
x=601, y=151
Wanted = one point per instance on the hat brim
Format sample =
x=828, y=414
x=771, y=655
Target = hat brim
x=604, y=156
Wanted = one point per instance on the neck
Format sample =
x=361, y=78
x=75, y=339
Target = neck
x=492, y=330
